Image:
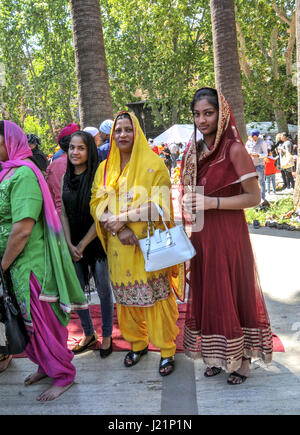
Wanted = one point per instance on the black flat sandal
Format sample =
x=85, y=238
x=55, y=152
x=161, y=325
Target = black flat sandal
x=134, y=357
x=237, y=375
x=166, y=363
x=215, y=371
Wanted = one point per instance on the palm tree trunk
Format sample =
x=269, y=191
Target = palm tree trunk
x=226, y=59
x=297, y=185
x=281, y=120
x=92, y=76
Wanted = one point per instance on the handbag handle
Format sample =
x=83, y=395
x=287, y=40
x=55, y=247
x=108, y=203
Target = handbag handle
x=3, y=282
x=161, y=213
x=169, y=236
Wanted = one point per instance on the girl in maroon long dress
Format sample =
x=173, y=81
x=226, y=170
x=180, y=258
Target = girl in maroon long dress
x=227, y=322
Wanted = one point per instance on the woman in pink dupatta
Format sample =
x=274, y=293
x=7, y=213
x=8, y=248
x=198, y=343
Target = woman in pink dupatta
x=227, y=322
x=34, y=251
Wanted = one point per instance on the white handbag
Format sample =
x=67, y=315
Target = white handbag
x=166, y=248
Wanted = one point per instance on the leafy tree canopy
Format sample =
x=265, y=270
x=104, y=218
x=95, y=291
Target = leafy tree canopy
x=158, y=50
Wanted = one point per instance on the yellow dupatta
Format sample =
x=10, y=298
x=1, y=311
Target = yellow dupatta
x=145, y=178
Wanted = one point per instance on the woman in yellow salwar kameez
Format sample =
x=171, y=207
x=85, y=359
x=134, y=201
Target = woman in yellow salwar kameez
x=125, y=187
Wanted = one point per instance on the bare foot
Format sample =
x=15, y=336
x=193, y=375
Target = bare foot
x=53, y=393
x=33, y=378
x=4, y=362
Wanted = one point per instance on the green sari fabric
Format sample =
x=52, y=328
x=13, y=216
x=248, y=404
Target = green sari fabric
x=46, y=253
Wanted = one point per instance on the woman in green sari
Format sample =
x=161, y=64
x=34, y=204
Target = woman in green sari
x=33, y=249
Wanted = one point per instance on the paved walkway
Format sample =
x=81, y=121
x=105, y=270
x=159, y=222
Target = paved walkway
x=106, y=387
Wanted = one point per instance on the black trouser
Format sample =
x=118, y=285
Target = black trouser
x=289, y=179
x=284, y=179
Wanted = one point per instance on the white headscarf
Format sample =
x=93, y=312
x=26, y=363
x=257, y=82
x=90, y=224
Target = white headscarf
x=106, y=126
x=92, y=130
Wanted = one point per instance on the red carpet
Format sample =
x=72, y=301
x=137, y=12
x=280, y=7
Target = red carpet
x=119, y=344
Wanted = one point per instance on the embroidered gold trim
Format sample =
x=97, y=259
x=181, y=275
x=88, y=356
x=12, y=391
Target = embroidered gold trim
x=217, y=350
x=142, y=294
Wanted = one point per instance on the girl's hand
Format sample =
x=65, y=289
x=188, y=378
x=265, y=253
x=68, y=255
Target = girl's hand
x=75, y=253
x=80, y=248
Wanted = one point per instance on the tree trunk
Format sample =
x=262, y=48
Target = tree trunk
x=281, y=120
x=297, y=185
x=226, y=59
x=92, y=76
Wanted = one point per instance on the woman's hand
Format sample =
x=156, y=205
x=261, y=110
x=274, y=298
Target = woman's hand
x=113, y=224
x=195, y=202
x=127, y=237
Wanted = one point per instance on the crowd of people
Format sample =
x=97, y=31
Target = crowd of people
x=171, y=154
x=82, y=217
x=270, y=157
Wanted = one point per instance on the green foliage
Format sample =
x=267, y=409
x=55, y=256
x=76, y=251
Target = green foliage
x=157, y=50
x=270, y=87
x=37, y=53
x=161, y=49
x=277, y=211
x=32, y=125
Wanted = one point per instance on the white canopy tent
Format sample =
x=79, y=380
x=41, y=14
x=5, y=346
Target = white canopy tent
x=178, y=133
x=181, y=133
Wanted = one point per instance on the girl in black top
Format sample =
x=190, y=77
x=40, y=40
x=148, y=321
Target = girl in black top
x=85, y=248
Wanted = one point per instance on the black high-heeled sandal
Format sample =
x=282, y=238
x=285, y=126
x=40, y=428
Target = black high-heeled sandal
x=106, y=352
x=134, y=357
